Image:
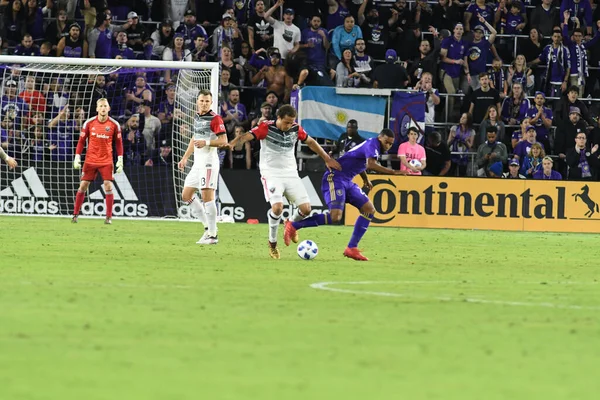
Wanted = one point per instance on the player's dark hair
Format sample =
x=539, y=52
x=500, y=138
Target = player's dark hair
x=412, y=129
x=352, y=122
x=387, y=132
x=286, y=111
x=205, y=92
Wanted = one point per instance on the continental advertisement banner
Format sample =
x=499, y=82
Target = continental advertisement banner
x=471, y=203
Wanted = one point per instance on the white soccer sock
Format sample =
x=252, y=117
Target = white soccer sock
x=211, y=217
x=273, y=226
x=198, y=208
x=298, y=216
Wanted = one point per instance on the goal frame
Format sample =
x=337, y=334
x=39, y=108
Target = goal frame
x=54, y=64
x=105, y=62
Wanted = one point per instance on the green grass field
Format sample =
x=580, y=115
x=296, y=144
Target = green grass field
x=137, y=310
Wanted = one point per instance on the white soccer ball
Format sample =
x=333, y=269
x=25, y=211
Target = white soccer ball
x=415, y=163
x=307, y=250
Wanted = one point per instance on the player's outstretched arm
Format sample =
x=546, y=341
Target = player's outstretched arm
x=373, y=165
x=7, y=159
x=188, y=152
x=246, y=137
x=316, y=147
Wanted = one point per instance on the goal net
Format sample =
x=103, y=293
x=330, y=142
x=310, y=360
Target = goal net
x=45, y=101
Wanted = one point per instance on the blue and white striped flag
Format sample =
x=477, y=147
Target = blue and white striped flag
x=324, y=114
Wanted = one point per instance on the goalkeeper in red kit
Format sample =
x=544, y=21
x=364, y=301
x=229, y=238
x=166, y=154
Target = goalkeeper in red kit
x=99, y=132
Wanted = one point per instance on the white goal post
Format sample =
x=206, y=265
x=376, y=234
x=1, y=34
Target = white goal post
x=46, y=99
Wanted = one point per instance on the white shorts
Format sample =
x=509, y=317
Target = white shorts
x=202, y=178
x=291, y=187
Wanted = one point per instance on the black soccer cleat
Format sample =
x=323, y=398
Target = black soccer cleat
x=74, y=219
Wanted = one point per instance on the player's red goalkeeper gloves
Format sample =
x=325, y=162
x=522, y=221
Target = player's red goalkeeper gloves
x=119, y=164
x=77, y=162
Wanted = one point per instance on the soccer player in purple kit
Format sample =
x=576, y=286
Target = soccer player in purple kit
x=338, y=189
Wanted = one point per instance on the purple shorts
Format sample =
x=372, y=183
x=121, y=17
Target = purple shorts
x=339, y=191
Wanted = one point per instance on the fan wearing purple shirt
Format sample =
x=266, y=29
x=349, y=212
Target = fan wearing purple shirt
x=547, y=172
x=558, y=60
x=338, y=189
x=541, y=118
x=316, y=44
x=479, y=51
x=453, y=56
x=62, y=135
x=523, y=148
x=474, y=11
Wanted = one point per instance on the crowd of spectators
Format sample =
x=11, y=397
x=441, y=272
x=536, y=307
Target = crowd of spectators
x=509, y=98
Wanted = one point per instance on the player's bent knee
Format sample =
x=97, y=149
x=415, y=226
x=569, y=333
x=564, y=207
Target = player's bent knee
x=336, y=216
x=368, y=208
x=107, y=186
x=305, y=209
x=277, y=208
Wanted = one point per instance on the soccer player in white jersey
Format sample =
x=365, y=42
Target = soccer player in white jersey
x=278, y=168
x=208, y=134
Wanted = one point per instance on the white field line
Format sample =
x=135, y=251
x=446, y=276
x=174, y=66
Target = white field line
x=327, y=286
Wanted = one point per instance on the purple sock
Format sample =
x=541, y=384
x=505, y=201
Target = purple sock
x=360, y=227
x=315, y=220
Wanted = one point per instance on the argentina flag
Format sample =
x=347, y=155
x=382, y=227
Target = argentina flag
x=324, y=114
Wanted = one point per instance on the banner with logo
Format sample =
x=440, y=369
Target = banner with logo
x=325, y=114
x=495, y=204
x=49, y=189
x=408, y=109
x=241, y=196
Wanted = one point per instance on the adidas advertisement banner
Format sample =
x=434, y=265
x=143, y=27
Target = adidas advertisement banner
x=138, y=192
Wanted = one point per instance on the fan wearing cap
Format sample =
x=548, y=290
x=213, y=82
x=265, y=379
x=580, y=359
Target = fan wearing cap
x=161, y=157
x=563, y=108
x=375, y=31
x=286, y=35
x=162, y=37
x=191, y=30
x=474, y=11
x=121, y=50
x=74, y=45
x=27, y=48
x=136, y=33
x=13, y=108
x=524, y=146
x=566, y=134
x=480, y=51
x=225, y=35
x=390, y=75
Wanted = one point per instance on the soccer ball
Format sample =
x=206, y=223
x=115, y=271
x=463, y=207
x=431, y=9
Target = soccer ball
x=415, y=163
x=307, y=250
